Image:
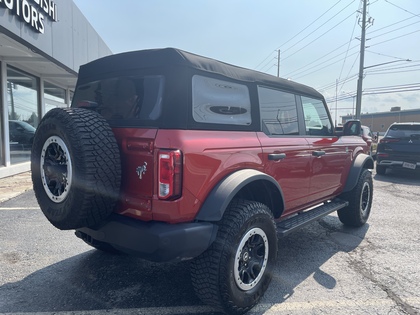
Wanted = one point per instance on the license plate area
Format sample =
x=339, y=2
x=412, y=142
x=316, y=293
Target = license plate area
x=411, y=166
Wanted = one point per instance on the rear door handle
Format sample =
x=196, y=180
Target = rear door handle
x=318, y=153
x=276, y=156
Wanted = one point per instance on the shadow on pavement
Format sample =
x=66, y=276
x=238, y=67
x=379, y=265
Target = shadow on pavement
x=400, y=176
x=94, y=280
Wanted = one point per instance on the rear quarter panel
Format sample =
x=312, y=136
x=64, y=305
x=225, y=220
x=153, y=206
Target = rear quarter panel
x=208, y=156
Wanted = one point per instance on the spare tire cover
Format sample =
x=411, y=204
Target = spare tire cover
x=76, y=168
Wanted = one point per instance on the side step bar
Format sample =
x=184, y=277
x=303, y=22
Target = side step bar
x=300, y=220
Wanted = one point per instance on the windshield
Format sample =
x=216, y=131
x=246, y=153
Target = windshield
x=135, y=97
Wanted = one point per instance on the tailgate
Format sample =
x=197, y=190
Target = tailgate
x=137, y=178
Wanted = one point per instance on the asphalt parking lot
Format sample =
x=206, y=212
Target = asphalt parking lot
x=324, y=268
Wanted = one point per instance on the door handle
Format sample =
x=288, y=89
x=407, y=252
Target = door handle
x=318, y=153
x=276, y=156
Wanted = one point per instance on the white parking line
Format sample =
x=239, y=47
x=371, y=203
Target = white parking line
x=18, y=208
x=264, y=308
x=132, y=311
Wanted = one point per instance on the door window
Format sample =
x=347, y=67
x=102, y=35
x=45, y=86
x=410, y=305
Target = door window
x=278, y=112
x=317, y=121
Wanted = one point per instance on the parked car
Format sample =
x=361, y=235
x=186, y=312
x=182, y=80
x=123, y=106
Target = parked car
x=399, y=148
x=369, y=139
x=21, y=133
x=172, y=156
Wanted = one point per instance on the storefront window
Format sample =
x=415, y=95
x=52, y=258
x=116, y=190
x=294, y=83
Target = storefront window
x=54, y=96
x=22, y=102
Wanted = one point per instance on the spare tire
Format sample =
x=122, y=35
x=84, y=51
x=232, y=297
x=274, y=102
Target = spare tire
x=76, y=168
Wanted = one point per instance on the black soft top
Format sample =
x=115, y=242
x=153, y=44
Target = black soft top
x=168, y=58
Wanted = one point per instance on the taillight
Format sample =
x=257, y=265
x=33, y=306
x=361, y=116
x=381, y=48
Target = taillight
x=170, y=174
x=389, y=140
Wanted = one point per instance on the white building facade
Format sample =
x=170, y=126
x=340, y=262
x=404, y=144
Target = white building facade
x=42, y=45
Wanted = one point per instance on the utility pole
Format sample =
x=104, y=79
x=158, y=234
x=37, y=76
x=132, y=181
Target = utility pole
x=362, y=60
x=278, y=63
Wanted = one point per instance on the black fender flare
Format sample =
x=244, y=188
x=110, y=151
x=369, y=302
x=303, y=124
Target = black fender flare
x=362, y=161
x=222, y=194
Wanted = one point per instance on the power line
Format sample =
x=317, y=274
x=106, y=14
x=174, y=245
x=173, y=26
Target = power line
x=379, y=29
x=376, y=53
x=318, y=37
x=418, y=15
x=293, y=37
x=394, y=30
x=330, y=64
x=348, y=47
x=303, y=67
x=398, y=37
x=411, y=87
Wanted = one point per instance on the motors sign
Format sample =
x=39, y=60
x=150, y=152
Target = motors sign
x=32, y=12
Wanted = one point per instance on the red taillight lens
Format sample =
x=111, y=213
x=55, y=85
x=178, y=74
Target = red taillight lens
x=170, y=174
x=389, y=140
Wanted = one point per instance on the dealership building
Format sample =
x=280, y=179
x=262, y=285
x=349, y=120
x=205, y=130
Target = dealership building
x=42, y=45
x=379, y=122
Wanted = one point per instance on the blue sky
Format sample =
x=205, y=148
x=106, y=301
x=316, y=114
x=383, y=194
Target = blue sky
x=317, y=40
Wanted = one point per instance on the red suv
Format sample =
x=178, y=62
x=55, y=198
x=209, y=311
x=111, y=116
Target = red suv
x=172, y=156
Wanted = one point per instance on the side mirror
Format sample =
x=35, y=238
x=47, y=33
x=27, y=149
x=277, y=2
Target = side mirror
x=352, y=128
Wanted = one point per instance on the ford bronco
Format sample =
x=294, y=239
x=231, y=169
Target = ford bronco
x=172, y=156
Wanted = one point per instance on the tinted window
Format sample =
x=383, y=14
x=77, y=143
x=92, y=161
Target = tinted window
x=403, y=131
x=220, y=102
x=317, y=121
x=137, y=97
x=278, y=112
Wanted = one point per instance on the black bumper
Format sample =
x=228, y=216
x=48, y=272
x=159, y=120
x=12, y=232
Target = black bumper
x=155, y=241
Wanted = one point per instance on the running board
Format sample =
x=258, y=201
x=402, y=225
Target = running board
x=300, y=220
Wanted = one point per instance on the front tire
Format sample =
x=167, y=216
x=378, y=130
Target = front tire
x=357, y=212
x=233, y=274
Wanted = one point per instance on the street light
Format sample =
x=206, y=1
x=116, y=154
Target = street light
x=385, y=63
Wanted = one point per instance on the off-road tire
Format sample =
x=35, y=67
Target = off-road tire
x=380, y=169
x=76, y=168
x=233, y=274
x=360, y=201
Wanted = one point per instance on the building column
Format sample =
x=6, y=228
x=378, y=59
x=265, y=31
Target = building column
x=41, y=100
x=5, y=142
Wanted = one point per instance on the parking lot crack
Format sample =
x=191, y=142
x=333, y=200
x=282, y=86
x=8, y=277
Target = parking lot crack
x=361, y=265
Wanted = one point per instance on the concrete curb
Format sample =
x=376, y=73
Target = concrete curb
x=15, y=185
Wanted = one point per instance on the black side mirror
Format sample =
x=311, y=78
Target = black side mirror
x=352, y=128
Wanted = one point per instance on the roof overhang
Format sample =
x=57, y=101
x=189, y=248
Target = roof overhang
x=28, y=59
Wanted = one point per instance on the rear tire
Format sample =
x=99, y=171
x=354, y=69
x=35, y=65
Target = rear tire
x=233, y=274
x=360, y=201
x=76, y=168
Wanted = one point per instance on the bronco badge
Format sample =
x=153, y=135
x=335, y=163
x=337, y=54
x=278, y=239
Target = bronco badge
x=141, y=170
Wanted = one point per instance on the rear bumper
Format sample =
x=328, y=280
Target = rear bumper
x=392, y=163
x=155, y=241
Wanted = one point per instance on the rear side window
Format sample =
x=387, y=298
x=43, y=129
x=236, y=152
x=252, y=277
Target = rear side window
x=403, y=131
x=136, y=97
x=317, y=121
x=220, y=102
x=278, y=112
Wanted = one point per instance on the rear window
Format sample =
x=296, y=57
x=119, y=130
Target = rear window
x=135, y=97
x=403, y=131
